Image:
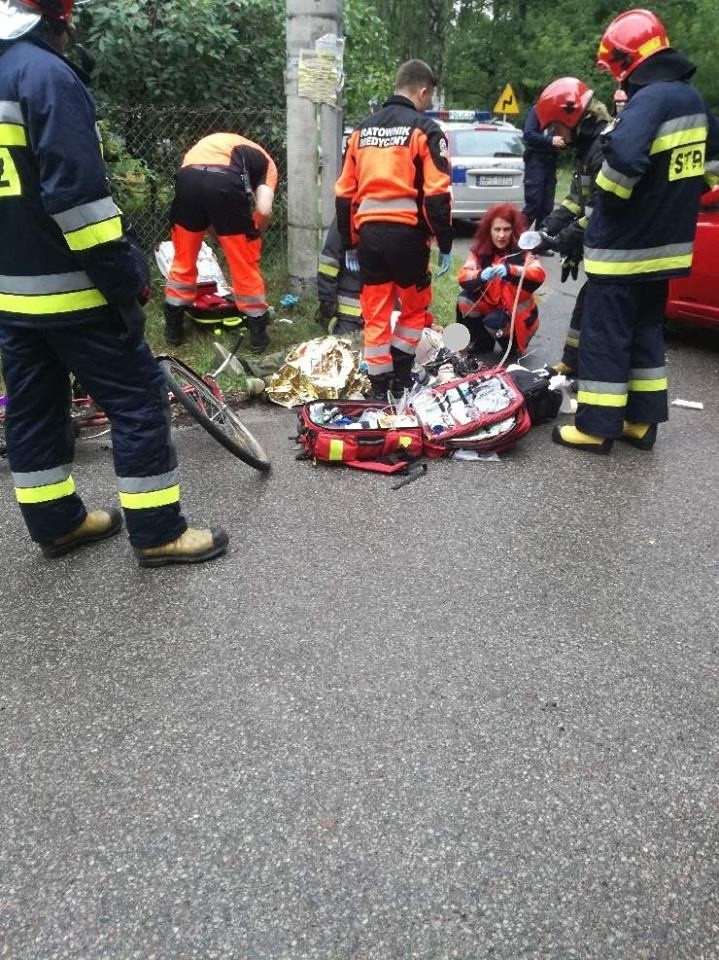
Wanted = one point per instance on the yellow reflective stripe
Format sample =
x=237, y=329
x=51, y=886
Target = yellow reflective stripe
x=51, y=302
x=602, y=399
x=571, y=206
x=94, y=234
x=572, y=341
x=350, y=311
x=49, y=491
x=328, y=269
x=679, y=139
x=609, y=186
x=12, y=135
x=619, y=268
x=336, y=450
x=646, y=386
x=154, y=498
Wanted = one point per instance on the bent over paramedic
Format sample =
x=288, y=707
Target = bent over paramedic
x=392, y=196
x=70, y=285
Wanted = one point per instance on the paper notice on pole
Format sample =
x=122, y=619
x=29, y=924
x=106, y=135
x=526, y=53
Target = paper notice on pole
x=318, y=76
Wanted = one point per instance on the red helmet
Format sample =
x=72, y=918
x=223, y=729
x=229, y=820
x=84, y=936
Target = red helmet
x=52, y=9
x=563, y=101
x=629, y=40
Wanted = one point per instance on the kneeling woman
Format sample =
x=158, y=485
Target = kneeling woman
x=489, y=280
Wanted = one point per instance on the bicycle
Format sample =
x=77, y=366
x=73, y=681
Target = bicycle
x=201, y=397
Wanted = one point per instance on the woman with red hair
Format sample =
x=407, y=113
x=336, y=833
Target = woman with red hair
x=489, y=280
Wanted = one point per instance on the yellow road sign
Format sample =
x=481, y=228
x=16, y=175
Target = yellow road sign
x=506, y=102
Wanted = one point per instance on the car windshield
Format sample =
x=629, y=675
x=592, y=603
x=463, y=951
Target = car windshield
x=485, y=143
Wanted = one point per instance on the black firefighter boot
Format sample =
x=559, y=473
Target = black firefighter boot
x=380, y=386
x=173, y=324
x=259, y=338
x=403, y=363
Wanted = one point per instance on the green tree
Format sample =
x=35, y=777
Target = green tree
x=198, y=52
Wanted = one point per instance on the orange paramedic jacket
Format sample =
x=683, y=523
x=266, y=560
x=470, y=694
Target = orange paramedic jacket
x=396, y=170
x=228, y=150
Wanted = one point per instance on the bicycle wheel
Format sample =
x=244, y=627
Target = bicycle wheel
x=212, y=413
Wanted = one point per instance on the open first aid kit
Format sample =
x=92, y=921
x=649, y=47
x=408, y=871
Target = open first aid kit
x=364, y=434
x=482, y=411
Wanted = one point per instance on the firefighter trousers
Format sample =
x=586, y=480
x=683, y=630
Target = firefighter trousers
x=394, y=266
x=215, y=199
x=622, y=375
x=127, y=383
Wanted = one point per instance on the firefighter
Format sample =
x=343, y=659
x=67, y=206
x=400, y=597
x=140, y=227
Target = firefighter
x=640, y=234
x=393, y=195
x=540, y=169
x=70, y=286
x=568, y=106
x=338, y=289
x=490, y=280
x=226, y=183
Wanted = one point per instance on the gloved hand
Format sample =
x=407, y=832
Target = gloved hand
x=570, y=241
x=569, y=268
x=325, y=312
x=352, y=260
x=444, y=262
x=133, y=317
x=490, y=273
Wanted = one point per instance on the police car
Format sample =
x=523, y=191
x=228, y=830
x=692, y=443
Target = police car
x=487, y=161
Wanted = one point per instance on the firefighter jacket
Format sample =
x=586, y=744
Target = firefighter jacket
x=396, y=170
x=482, y=298
x=63, y=256
x=655, y=160
x=577, y=206
x=336, y=284
x=538, y=146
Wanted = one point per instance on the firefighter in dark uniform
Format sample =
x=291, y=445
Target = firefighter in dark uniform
x=338, y=289
x=540, y=169
x=393, y=195
x=568, y=106
x=640, y=234
x=70, y=284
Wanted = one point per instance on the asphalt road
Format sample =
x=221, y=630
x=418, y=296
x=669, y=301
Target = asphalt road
x=475, y=717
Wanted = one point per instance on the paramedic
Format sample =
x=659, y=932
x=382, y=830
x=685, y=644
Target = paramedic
x=658, y=157
x=226, y=183
x=70, y=286
x=489, y=282
x=540, y=169
x=393, y=195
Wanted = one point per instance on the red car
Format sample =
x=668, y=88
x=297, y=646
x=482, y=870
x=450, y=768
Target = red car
x=695, y=299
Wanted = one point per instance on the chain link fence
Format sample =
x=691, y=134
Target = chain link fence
x=144, y=146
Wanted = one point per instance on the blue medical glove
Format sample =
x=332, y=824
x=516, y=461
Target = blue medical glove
x=444, y=262
x=352, y=260
x=490, y=273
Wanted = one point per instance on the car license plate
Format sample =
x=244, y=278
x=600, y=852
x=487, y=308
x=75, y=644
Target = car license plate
x=483, y=181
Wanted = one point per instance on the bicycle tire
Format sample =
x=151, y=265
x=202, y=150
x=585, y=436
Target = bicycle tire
x=212, y=413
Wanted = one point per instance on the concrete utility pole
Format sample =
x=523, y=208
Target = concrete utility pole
x=314, y=144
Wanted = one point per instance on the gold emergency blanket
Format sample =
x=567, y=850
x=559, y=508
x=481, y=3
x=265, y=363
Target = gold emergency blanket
x=321, y=369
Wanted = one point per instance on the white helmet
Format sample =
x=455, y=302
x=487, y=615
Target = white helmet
x=16, y=19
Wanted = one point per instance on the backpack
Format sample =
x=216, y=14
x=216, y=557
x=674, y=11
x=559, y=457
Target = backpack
x=482, y=411
x=382, y=449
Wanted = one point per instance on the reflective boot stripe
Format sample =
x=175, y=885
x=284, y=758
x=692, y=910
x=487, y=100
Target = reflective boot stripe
x=572, y=338
x=42, y=486
x=142, y=493
x=601, y=394
x=648, y=379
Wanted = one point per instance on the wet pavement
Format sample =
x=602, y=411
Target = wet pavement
x=475, y=717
